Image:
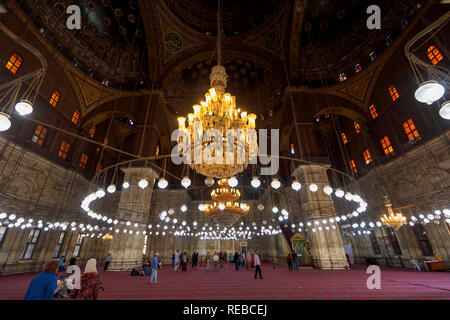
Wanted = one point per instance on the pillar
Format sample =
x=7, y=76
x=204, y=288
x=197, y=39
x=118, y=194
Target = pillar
x=326, y=246
x=134, y=205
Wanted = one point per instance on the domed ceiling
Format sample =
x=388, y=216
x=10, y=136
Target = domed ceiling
x=238, y=16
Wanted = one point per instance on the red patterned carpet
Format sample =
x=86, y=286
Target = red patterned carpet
x=278, y=284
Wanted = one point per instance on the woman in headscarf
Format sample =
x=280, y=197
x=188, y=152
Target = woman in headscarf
x=249, y=261
x=90, y=282
x=43, y=286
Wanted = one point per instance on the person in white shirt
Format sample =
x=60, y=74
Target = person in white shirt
x=177, y=261
x=216, y=263
x=257, y=263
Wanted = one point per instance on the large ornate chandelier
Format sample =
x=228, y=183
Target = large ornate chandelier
x=219, y=112
x=225, y=210
x=394, y=220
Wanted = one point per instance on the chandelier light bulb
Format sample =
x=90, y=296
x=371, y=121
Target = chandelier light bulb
x=221, y=206
x=296, y=185
x=111, y=188
x=444, y=111
x=5, y=123
x=255, y=182
x=275, y=183
x=183, y=208
x=328, y=190
x=100, y=193
x=313, y=187
x=24, y=107
x=233, y=182
x=143, y=183
x=163, y=183
x=126, y=185
x=186, y=182
x=275, y=210
x=429, y=92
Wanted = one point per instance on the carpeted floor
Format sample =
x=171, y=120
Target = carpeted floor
x=278, y=283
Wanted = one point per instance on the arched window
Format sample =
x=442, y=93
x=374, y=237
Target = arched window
x=357, y=127
x=342, y=77
x=411, y=130
x=39, y=135
x=292, y=149
x=92, y=132
x=14, y=62
x=367, y=156
x=387, y=147
x=83, y=160
x=353, y=166
x=373, y=111
x=76, y=116
x=55, y=98
x=434, y=55
x=344, y=138
x=393, y=93
x=64, y=150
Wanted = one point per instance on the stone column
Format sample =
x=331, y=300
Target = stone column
x=326, y=245
x=126, y=249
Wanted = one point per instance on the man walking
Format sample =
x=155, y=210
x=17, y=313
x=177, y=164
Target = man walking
x=154, y=269
x=294, y=258
x=107, y=261
x=257, y=264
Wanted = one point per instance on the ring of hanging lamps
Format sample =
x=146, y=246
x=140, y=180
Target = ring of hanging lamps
x=255, y=182
x=143, y=183
x=163, y=183
x=186, y=182
x=233, y=182
x=276, y=184
x=429, y=92
x=444, y=111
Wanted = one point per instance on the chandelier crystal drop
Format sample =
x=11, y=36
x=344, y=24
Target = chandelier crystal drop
x=429, y=92
x=5, y=123
x=24, y=107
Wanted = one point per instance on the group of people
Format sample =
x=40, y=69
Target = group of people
x=55, y=282
x=292, y=259
x=180, y=261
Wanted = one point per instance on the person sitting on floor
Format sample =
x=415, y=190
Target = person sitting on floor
x=90, y=282
x=43, y=286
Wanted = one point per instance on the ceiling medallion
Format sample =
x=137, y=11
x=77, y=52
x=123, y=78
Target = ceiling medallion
x=225, y=210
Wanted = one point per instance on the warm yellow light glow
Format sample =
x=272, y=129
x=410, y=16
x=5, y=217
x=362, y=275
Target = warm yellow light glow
x=191, y=118
x=181, y=122
x=196, y=110
x=252, y=120
x=244, y=115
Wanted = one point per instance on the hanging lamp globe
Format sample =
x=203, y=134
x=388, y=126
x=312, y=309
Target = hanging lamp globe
x=126, y=185
x=444, y=111
x=429, y=92
x=163, y=183
x=100, y=193
x=328, y=190
x=5, y=123
x=111, y=188
x=339, y=193
x=233, y=182
x=209, y=181
x=143, y=183
x=275, y=183
x=255, y=182
x=260, y=207
x=313, y=187
x=186, y=182
x=296, y=185
x=24, y=107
